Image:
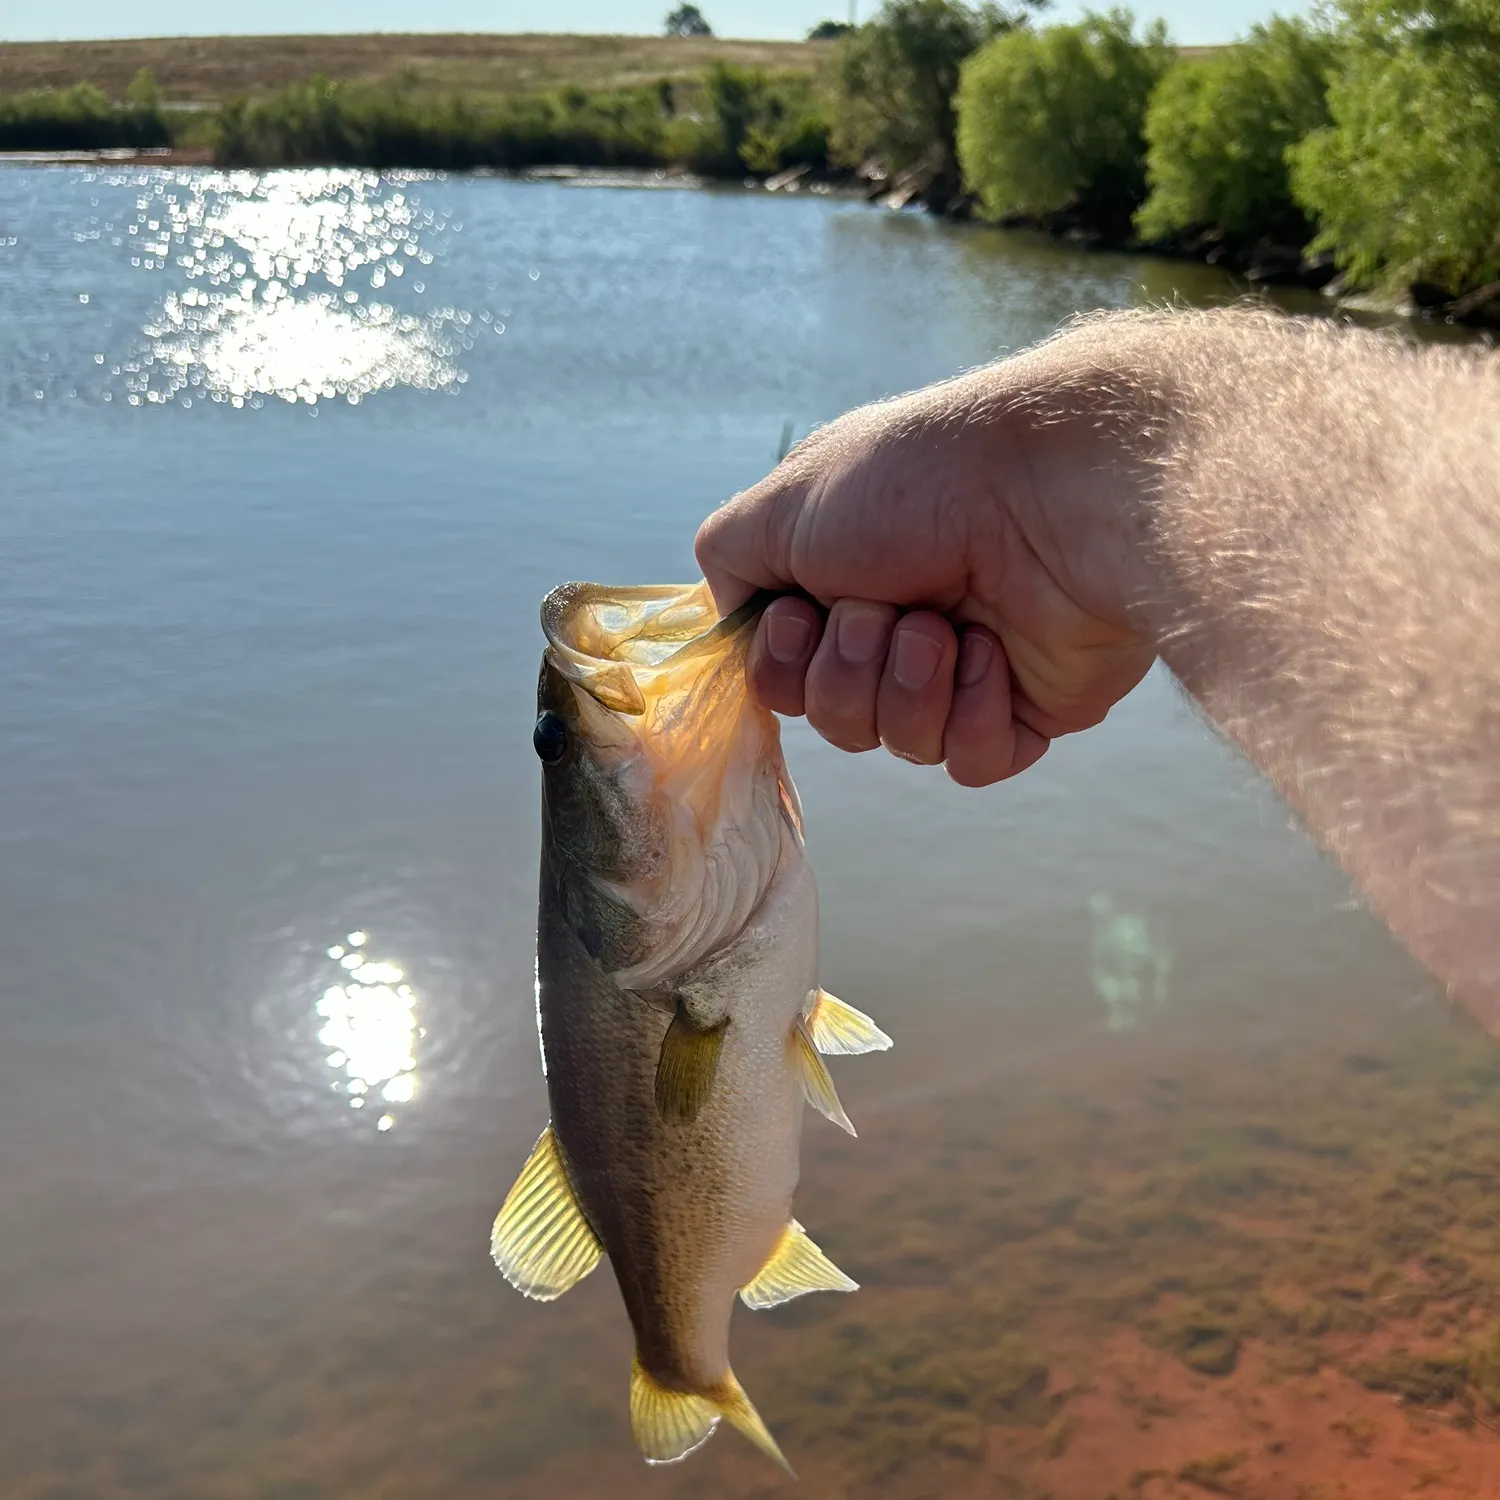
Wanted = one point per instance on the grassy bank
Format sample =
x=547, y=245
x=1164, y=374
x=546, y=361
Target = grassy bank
x=1361, y=143
x=208, y=70
x=727, y=122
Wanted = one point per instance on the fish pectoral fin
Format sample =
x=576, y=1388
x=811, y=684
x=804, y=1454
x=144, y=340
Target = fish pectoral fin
x=816, y=1083
x=687, y=1067
x=668, y=1424
x=838, y=1030
x=795, y=1268
x=541, y=1240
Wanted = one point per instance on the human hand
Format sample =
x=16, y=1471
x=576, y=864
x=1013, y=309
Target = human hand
x=978, y=564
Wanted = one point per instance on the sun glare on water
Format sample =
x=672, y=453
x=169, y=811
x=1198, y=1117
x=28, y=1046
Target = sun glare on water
x=285, y=288
x=371, y=1029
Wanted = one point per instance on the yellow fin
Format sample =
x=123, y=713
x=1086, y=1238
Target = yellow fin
x=734, y=1406
x=541, y=1240
x=668, y=1425
x=796, y=1267
x=838, y=1030
x=816, y=1083
x=687, y=1066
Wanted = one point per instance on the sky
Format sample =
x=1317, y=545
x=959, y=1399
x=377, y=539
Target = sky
x=1194, y=22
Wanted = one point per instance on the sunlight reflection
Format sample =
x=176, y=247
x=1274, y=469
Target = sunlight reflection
x=370, y=1026
x=274, y=275
x=1131, y=966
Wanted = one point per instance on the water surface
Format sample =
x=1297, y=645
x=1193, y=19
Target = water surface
x=1162, y=1164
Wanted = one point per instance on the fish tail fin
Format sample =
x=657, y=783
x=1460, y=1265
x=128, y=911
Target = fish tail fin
x=669, y=1425
x=736, y=1409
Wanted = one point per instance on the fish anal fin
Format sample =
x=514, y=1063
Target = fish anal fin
x=688, y=1064
x=541, y=1240
x=796, y=1267
x=816, y=1083
x=838, y=1030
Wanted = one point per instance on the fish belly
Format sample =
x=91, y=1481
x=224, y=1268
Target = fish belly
x=687, y=1211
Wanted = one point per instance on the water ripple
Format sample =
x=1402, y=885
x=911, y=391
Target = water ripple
x=275, y=279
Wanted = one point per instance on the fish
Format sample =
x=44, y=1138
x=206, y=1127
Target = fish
x=681, y=1020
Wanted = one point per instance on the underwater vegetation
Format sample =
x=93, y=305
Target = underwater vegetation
x=1198, y=1259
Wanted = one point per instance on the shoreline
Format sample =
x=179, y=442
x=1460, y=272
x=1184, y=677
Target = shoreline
x=1264, y=264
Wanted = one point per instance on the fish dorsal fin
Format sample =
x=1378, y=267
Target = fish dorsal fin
x=687, y=1067
x=669, y=1424
x=816, y=1083
x=838, y=1030
x=541, y=1240
x=795, y=1268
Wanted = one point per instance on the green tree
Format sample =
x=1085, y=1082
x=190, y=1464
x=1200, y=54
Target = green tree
x=1217, y=134
x=829, y=31
x=1054, y=119
x=895, y=80
x=143, y=95
x=736, y=98
x=1405, y=180
x=687, y=20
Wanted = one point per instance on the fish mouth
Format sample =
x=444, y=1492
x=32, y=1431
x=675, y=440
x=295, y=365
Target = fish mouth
x=623, y=645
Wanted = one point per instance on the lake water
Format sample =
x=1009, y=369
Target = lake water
x=1180, y=1174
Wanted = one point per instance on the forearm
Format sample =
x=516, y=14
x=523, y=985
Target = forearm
x=1322, y=520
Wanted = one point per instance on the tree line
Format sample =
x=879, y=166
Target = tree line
x=1368, y=135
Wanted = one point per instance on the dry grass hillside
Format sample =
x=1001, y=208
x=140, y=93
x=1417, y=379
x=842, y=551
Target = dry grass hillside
x=212, y=68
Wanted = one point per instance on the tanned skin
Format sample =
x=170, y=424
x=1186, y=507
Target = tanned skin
x=1302, y=520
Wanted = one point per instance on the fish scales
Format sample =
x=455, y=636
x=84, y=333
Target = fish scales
x=677, y=999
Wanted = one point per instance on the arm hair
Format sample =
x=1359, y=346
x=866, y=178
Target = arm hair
x=1323, y=519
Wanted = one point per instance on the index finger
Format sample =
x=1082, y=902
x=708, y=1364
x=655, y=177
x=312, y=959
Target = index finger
x=746, y=544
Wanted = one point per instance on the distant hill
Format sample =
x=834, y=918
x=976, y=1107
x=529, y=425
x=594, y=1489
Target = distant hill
x=210, y=68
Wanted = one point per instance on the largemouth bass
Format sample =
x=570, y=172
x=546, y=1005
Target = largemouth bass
x=678, y=1004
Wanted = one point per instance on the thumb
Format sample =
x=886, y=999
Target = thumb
x=747, y=544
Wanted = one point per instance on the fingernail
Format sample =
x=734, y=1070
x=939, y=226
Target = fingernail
x=787, y=637
x=974, y=654
x=916, y=659
x=861, y=633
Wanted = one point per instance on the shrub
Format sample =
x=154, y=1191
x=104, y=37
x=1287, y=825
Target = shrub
x=81, y=119
x=1054, y=119
x=896, y=76
x=749, y=119
x=1217, y=134
x=1405, y=180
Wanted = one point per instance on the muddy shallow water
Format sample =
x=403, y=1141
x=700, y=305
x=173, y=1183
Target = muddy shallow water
x=1178, y=1181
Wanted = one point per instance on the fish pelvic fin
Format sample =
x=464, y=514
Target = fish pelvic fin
x=795, y=1268
x=541, y=1240
x=687, y=1067
x=816, y=1083
x=838, y=1030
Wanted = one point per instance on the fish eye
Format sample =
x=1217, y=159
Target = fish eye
x=550, y=737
